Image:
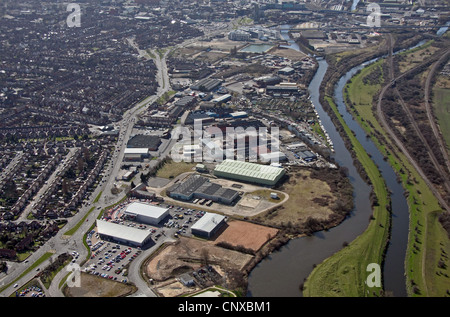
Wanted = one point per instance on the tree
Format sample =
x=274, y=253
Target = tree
x=233, y=51
x=205, y=256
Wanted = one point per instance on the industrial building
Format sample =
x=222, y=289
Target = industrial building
x=222, y=99
x=151, y=142
x=186, y=101
x=273, y=157
x=286, y=71
x=206, y=84
x=122, y=234
x=265, y=81
x=239, y=35
x=136, y=154
x=146, y=213
x=208, y=225
x=307, y=156
x=239, y=114
x=281, y=89
x=249, y=172
x=197, y=186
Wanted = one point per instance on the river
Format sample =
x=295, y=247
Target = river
x=281, y=273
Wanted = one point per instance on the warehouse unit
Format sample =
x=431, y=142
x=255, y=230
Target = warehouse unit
x=249, y=172
x=222, y=99
x=196, y=186
x=146, y=213
x=142, y=141
x=208, y=225
x=206, y=84
x=122, y=234
x=136, y=154
x=273, y=157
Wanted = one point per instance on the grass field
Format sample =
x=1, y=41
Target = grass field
x=411, y=58
x=95, y=286
x=345, y=273
x=172, y=169
x=441, y=104
x=302, y=191
x=427, y=239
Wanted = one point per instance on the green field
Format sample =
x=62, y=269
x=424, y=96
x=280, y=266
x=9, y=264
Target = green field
x=172, y=169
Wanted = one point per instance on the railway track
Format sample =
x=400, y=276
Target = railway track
x=391, y=133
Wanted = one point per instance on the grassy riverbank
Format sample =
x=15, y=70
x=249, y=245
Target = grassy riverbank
x=428, y=243
x=344, y=274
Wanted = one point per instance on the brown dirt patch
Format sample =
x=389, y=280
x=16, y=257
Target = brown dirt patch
x=249, y=235
x=288, y=53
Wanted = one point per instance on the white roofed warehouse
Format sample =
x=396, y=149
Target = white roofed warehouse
x=249, y=172
x=146, y=213
x=208, y=225
x=123, y=234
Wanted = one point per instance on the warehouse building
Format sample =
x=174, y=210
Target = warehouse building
x=136, y=154
x=222, y=99
x=286, y=71
x=197, y=186
x=239, y=114
x=206, y=84
x=249, y=172
x=122, y=234
x=142, y=141
x=282, y=90
x=208, y=225
x=265, y=81
x=307, y=156
x=146, y=213
x=270, y=157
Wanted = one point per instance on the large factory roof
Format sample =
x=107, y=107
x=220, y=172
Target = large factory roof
x=249, y=171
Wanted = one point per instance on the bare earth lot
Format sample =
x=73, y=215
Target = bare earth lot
x=189, y=254
x=248, y=235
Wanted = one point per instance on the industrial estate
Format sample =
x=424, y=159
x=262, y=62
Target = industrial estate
x=165, y=148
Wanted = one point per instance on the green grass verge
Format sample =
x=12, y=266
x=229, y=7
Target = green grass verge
x=98, y=197
x=345, y=273
x=78, y=225
x=165, y=97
